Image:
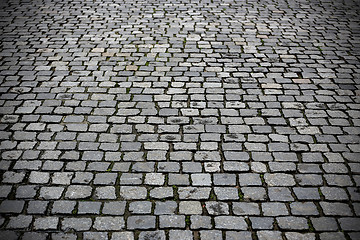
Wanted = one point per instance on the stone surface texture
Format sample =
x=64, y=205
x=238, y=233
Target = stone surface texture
x=180, y=119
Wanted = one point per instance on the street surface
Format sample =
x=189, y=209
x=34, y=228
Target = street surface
x=180, y=119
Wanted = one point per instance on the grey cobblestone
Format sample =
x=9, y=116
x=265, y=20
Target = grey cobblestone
x=141, y=222
x=168, y=207
x=280, y=194
x=128, y=192
x=217, y=208
x=46, y=223
x=95, y=235
x=180, y=234
x=190, y=207
x=77, y=224
x=114, y=208
x=232, y=235
x=183, y=119
x=292, y=223
x=262, y=223
x=324, y=224
x=122, y=236
x=230, y=222
x=63, y=206
x=89, y=207
x=211, y=234
x=37, y=207
x=21, y=221
x=159, y=235
x=172, y=221
x=109, y=223
x=243, y=208
x=78, y=192
x=200, y=222
x=140, y=207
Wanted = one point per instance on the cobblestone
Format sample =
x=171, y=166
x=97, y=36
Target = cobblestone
x=185, y=119
x=109, y=223
x=77, y=224
x=141, y=222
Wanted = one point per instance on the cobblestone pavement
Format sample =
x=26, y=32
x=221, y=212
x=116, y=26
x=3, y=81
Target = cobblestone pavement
x=180, y=119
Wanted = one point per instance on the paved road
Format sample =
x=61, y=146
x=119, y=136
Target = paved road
x=180, y=119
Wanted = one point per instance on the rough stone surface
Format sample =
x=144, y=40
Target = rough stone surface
x=180, y=119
